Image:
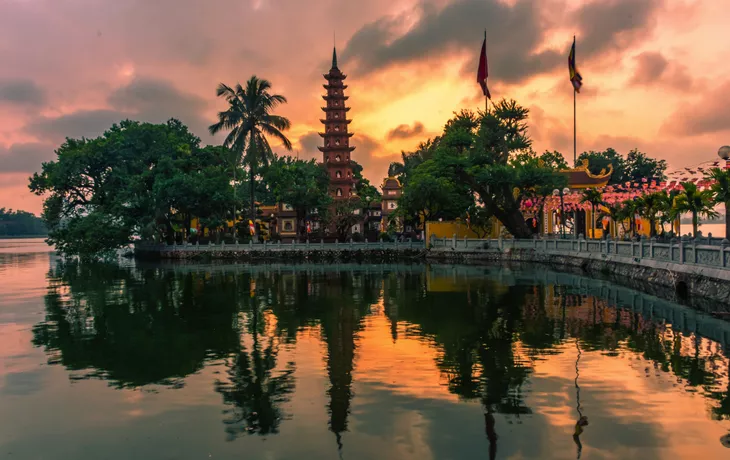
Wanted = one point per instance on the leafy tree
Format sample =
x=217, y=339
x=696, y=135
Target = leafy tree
x=484, y=166
x=367, y=192
x=480, y=221
x=553, y=160
x=651, y=206
x=343, y=216
x=431, y=196
x=721, y=192
x=20, y=223
x=134, y=181
x=249, y=119
x=595, y=198
x=411, y=160
x=301, y=184
x=599, y=161
x=639, y=166
x=696, y=202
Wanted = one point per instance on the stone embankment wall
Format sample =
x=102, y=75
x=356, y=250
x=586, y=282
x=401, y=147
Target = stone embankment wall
x=655, y=277
x=342, y=254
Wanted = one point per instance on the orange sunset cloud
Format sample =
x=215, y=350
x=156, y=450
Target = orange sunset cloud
x=654, y=76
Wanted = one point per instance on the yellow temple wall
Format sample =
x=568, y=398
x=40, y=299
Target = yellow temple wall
x=447, y=229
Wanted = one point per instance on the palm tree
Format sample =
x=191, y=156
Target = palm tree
x=595, y=198
x=250, y=120
x=721, y=190
x=650, y=206
x=630, y=208
x=698, y=203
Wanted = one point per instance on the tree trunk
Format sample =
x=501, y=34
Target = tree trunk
x=727, y=220
x=253, y=197
x=515, y=223
x=694, y=224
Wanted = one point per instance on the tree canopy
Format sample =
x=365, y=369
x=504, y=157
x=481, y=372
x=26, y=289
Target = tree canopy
x=634, y=167
x=137, y=180
x=482, y=157
x=301, y=184
x=20, y=223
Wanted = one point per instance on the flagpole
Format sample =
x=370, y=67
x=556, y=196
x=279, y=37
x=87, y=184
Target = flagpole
x=575, y=131
x=575, y=143
x=486, y=99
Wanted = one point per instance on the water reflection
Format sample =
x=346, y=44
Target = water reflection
x=488, y=332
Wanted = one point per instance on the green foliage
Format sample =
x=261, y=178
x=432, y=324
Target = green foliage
x=696, y=202
x=599, y=161
x=480, y=221
x=367, y=192
x=639, y=166
x=20, y=223
x=634, y=167
x=485, y=156
x=137, y=180
x=249, y=120
x=721, y=192
x=301, y=184
x=432, y=196
x=653, y=207
x=343, y=217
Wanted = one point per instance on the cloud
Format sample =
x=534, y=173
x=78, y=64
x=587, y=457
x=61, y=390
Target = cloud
x=708, y=116
x=404, y=131
x=307, y=145
x=369, y=153
x=519, y=30
x=83, y=123
x=25, y=158
x=22, y=92
x=143, y=99
x=653, y=68
x=615, y=24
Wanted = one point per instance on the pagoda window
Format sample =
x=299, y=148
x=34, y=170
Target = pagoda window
x=337, y=115
x=339, y=192
x=348, y=173
x=327, y=158
x=337, y=158
x=338, y=174
x=337, y=142
x=350, y=192
x=337, y=128
x=326, y=143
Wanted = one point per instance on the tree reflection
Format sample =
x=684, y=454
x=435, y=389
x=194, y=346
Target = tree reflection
x=255, y=389
x=135, y=328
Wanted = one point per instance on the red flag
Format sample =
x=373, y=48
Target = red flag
x=483, y=71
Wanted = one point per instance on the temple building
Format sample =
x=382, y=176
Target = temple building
x=336, y=150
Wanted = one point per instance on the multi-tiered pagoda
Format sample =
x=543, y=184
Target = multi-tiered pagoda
x=336, y=151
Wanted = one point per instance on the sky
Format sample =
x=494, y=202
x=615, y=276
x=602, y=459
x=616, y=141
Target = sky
x=654, y=71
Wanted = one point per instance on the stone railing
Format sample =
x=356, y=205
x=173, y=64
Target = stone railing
x=278, y=246
x=681, y=251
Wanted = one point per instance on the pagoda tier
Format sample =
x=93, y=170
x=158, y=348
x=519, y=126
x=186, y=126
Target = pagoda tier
x=334, y=76
x=335, y=97
x=337, y=148
x=336, y=133
x=335, y=109
x=340, y=86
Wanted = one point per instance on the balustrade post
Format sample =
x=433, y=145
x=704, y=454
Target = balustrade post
x=453, y=241
x=724, y=244
x=681, y=251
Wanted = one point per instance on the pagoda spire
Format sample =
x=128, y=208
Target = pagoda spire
x=334, y=57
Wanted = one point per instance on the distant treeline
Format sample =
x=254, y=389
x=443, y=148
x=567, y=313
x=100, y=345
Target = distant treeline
x=20, y=223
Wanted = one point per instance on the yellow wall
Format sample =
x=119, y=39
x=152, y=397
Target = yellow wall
x=447, y=230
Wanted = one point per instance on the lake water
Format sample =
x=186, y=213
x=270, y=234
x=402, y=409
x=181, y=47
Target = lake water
x=354, y=362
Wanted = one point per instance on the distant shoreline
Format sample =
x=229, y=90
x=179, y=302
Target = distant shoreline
x=20, y=237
